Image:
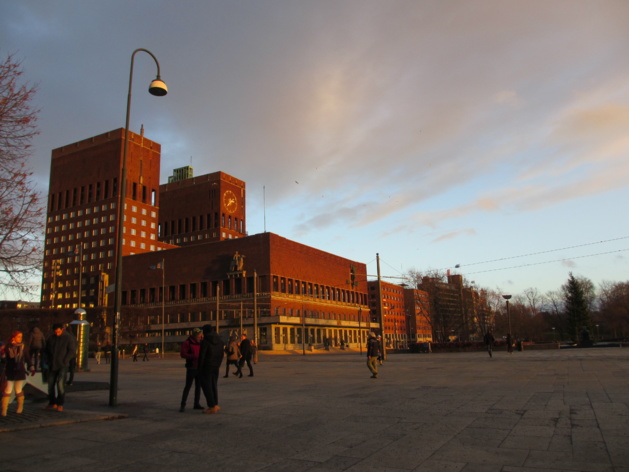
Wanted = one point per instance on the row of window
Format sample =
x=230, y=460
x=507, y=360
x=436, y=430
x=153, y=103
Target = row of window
x=96, y=192
x=205, y=222
x=81, y=212
x=314, y=290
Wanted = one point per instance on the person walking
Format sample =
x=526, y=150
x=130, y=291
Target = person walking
x=98, y=353
x=35, y=347
x=373, y=350
x=246, y=353
x=509, y=343
x=107, y=350
x=233, y=357
x=145, y=350
x=134, y=353
x=190, y=352
x=210, y=358
x=60, y=349
x=15, y=358
x=489, y=342
x=380, y=359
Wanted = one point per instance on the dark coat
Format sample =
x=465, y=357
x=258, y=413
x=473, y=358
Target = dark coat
x=245, y=349
x=211, y=353
x=60, y=350
x=373, y=347
x=37, y=339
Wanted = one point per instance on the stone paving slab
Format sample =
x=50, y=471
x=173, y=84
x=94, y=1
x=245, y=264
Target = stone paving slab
x=530, y=411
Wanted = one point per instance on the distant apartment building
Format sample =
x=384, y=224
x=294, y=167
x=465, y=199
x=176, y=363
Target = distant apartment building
x=417, y=303
x=457, y=312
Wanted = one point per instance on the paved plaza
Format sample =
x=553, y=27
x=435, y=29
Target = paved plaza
x=559, y=410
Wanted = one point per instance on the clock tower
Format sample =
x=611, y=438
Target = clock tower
x=200, y=209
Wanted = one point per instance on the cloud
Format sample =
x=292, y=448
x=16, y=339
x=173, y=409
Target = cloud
x=455, y=234
x=508, y=97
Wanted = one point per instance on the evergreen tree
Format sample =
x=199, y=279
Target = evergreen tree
x=577, y=308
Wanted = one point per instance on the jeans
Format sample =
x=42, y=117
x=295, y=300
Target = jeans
x=56, y=378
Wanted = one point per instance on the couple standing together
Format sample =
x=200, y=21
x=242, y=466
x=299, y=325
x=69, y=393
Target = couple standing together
x=203, y=352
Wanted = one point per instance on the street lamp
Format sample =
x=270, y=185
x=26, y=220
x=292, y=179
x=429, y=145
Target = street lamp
x=507, y=298
x=159, y=89
x=509, y=338
x=162, y=266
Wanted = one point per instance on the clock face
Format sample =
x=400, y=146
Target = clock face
x=229, y=200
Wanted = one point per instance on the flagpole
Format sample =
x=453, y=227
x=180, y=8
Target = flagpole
x=163, y=304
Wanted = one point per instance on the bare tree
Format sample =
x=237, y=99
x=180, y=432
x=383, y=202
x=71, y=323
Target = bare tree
x=614, y=310
x=20, y=205
x=554, y=307
x=534, y=300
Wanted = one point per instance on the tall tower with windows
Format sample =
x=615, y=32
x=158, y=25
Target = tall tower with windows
x=81, y=224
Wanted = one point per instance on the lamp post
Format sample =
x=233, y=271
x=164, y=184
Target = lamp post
x=162, y=266
x=360, y=334
x=255, y=310
x=159, y=89
x=384, y=349
x=303, y=329
x=507, y=298
x=218, y=302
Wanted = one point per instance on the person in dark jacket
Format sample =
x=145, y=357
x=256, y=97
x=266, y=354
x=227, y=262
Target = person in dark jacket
x=210, y=359
x=245, y=355
x=15, y=370
x=36, y=344
x=190, y=352
x=489, y=342
x=60, y=349
x=373, y=351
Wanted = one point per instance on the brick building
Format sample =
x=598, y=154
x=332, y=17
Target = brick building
x=300, y=295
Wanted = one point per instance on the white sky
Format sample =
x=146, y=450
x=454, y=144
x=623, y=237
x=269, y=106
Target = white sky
x=434, y=133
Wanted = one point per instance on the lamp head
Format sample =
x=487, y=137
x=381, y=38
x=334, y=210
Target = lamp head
x=158, y=87
x=506, y=297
